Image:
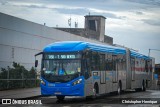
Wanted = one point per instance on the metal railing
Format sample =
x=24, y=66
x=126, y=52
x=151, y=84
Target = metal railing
x=18, y=83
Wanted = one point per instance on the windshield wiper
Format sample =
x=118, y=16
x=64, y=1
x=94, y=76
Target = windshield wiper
x=65, y=72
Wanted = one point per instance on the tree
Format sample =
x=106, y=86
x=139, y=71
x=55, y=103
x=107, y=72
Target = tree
x=18, y=76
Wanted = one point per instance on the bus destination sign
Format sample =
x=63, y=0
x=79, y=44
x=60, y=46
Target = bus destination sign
x=66, y=56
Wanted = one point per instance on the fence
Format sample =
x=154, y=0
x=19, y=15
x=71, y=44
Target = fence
x=18, y=83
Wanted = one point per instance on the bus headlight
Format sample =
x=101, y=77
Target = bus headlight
x=42, y=82
x=77, y=81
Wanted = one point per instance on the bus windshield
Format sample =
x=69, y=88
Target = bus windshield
x=61, y=67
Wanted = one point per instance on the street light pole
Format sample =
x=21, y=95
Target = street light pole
x=152, y=49
x=149, y=52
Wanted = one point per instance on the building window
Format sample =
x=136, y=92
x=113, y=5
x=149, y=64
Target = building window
x=93, y=25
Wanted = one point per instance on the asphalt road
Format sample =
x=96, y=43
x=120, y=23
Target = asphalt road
x=108, y=100
x=126, y=99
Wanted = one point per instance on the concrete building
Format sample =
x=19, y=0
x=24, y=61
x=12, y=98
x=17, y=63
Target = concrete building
x=20, y=39
x=94, y=29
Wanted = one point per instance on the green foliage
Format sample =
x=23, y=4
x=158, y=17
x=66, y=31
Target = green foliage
x=17, y=77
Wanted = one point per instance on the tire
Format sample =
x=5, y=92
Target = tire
x=95, y=90
x=147, y=84
x=138, y=89
x=143, y=86
x=119, y=89
x=60, y=98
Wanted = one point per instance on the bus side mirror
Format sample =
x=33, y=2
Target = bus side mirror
x=36, y=63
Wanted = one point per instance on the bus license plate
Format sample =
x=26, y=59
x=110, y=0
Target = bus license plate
x=58, y=93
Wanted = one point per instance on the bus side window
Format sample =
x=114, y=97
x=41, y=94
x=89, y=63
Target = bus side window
x=102, y=62
x=114, y=58
x=108, y=64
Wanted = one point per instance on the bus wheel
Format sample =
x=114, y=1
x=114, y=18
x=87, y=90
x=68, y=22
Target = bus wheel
x=119, y=89
x=137, y=89
x=95, y=90
x=147, y=84
x=143, y=86
x=60, y=98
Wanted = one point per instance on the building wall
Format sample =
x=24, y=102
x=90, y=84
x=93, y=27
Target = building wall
x=108, y=39
x=20, y=40
x=100, y=25
x=76, y=31
x=102, y=30
x=82, y=32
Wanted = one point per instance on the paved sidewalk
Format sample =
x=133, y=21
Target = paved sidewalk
x=20, y=93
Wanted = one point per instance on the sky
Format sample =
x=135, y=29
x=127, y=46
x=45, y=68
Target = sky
x=131, y=23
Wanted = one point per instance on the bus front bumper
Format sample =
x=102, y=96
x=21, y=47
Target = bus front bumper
x=77, y=90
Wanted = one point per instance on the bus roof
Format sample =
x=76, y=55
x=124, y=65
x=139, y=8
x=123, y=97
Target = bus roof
x=73, y=46
x=138, y=55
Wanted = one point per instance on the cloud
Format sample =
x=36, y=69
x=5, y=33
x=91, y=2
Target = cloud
x=146, y=2
x=29, y=5
x=3, y=2
x=137, y=40
x=113, y=16
x=77, y=11
x=33, y=6
x=106, y=13
x=113, y=5
x=67, y=10
x=139, y=13
x=152, y=22
x=133, y=23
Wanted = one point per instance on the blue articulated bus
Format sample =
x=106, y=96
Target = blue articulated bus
x=77, y=68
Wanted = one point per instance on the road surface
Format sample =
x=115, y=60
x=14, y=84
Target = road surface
x=150, y=98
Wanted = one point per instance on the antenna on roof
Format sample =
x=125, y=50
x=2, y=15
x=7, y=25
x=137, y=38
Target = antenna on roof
x=89, y=13
x=69, y=22
x=76, y=23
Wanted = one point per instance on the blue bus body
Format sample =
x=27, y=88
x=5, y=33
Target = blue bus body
x=77, y=84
